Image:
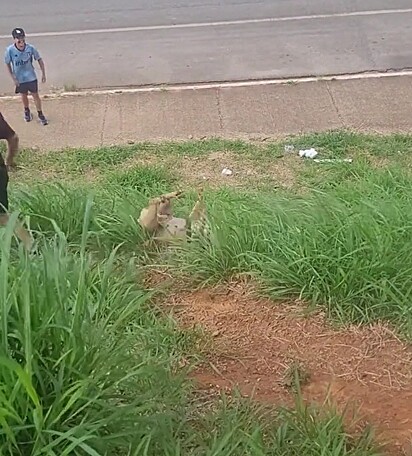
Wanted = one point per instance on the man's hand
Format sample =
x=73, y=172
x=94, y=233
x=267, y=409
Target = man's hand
x=43, y=78
x=12, y=75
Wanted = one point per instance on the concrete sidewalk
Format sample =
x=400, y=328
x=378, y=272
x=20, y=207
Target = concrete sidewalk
x=89, y=120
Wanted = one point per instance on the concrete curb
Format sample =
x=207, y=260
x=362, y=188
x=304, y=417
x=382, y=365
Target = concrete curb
x=220, y=85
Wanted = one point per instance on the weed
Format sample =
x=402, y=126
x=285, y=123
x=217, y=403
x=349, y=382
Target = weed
x=70, y=88
x=295, y=374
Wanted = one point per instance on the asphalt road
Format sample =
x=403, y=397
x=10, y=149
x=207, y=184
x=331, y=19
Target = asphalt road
x=185, y=41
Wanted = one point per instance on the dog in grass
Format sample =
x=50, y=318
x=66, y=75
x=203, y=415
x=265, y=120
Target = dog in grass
x=158, y=220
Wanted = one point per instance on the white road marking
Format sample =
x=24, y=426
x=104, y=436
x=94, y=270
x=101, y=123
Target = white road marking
x=219, y=23
x=223, y=85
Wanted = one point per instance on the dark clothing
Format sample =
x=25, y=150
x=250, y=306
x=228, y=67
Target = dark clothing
x=4, y=182
x=26, y=87
x=6, y=132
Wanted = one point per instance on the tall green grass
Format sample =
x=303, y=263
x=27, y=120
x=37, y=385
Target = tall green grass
x=241, y=428
x=112, y=216
x=344, y=246
x=87, y=367
x=347, y=247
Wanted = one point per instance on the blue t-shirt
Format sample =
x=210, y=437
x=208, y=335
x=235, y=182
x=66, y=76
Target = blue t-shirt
x=22, y=62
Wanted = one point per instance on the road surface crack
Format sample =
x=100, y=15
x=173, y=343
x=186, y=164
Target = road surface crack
x=219, y=108
x=106, y=105
x=335, y=105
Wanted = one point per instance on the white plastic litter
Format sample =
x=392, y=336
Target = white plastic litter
x=227, y=172
x=308, y=153
x=289, y=148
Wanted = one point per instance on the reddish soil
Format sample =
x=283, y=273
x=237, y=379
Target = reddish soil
x=256, y=341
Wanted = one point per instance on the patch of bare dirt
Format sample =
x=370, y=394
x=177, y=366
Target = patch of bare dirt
x=256, y=342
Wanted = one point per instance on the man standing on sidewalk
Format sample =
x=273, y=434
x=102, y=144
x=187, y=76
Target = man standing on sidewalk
x=19, y=61
x=7, y=133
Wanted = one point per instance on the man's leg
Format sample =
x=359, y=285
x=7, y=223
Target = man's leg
x=25, y=99
x=19, y=231
x=37, y=101
x=7, y=133
x=23, y=90
x=12, y=149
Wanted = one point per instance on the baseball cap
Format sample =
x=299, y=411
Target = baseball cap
x=18, y=33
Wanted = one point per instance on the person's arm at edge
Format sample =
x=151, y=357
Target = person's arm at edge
x=7, y=61
x=43, y=70
x=41, y=64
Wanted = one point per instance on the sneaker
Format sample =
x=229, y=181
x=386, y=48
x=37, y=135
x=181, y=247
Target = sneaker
x=28, y=116
x=42, y=119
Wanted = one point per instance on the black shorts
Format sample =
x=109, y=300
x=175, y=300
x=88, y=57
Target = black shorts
x=26, y=87
x=4, y=182
x=6, y=132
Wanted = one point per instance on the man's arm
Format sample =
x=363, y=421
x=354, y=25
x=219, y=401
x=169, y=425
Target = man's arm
x=7, y=61
x=43, y=70
x=38, y=57
x=8, y=65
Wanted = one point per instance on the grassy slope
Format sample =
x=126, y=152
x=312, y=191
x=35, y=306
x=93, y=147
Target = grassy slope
x=338, y=237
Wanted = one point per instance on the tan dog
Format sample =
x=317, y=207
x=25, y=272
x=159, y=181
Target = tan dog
x=157, y=218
